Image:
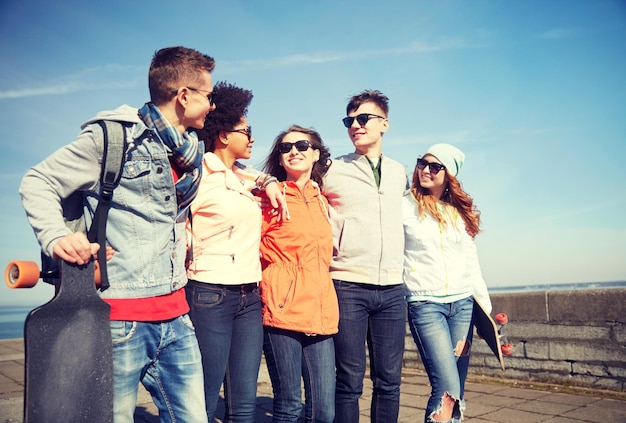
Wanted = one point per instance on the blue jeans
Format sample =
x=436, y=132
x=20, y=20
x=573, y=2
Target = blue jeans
x=230, y=333
x=293, y=356
x=165, y=357
x=376, y=314
x=443, y=335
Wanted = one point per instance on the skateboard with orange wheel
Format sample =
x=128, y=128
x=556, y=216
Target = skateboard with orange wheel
x=502, y=320
x=26, y=274
x=22, y=274
x=68, y=350
x=487, y=329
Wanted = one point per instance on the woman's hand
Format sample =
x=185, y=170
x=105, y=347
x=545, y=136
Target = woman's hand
x=276, y=199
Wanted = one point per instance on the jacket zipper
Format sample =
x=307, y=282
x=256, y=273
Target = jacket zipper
x=443, y=256
x=319, y=203
x=229, y=229
x=293, y=281
x=282, y=305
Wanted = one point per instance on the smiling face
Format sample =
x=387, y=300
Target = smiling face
x=298, y=164
x=197, y=104
x=368, y=137
x=240, y=140
x=435, y=183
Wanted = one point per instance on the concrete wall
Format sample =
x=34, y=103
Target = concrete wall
x=567, y=337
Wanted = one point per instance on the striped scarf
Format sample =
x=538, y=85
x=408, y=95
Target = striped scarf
x=182, y=149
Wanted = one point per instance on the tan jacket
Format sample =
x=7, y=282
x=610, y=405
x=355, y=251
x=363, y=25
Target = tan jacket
x=225, y=229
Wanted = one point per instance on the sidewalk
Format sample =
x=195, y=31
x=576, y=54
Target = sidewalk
x=487, y=400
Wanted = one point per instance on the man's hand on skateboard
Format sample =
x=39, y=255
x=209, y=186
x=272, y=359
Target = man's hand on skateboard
x=76, y=248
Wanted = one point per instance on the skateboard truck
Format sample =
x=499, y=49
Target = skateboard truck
x=26, y=274
x=507, y=348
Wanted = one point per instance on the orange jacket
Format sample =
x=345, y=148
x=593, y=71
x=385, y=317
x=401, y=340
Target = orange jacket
x=297, y=291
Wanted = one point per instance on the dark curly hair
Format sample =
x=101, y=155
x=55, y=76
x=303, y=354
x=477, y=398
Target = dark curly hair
x=272, y=163
x=231, y=105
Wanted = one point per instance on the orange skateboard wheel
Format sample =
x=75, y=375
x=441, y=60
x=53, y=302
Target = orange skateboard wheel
x=502, y=319
x=21, y=274
x=507, y=349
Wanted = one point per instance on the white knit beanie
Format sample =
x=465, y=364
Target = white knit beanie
x=450, y=156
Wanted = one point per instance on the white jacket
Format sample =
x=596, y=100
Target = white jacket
x=440, y=262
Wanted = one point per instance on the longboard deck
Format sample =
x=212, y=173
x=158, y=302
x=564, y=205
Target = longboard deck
x=68, y=352
x=487, y=330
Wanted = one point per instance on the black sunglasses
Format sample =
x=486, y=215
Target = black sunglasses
x=302, y=145
x=246, y=131
x=210, y=96
x=362, y=119
x=433, y=167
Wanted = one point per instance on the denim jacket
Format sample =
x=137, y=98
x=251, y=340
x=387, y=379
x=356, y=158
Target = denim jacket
x=144, y=225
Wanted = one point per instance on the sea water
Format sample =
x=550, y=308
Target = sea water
x=12, y=321
x=12, y=317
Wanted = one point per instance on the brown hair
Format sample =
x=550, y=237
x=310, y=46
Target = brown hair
x=373, y=96
x=272, y=163
x=172, y=67
x=454, y=195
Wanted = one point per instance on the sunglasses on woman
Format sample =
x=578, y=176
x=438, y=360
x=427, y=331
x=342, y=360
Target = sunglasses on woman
x=361, y=119
x=246, y=131
x=434, y=168
x=302, y=145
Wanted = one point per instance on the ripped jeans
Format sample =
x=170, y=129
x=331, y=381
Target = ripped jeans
x=443, y=335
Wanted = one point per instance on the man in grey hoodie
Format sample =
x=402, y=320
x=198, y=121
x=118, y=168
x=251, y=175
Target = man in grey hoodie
x=153, y=338
x=365, y=190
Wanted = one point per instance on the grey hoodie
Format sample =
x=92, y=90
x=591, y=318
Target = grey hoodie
x=368, y=237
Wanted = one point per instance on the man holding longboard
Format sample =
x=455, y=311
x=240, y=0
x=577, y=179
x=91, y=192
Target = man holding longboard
x=153, y=341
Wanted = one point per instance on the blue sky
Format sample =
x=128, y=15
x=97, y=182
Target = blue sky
x=534, y=92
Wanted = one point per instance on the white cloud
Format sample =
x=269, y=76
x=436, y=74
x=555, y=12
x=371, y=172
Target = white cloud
x=96, y=78
x=415, y=47
x=119, y=76
x=558, y=34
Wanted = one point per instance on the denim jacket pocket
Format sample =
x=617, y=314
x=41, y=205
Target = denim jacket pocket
x=136, y=168
x=136, y=180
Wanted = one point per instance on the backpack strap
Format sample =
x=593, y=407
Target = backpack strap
x=113, y=156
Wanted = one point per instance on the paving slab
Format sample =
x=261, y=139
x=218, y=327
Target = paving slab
x=487, y=400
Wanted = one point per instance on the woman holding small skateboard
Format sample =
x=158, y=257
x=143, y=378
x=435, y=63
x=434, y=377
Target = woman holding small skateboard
x=442, y=275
